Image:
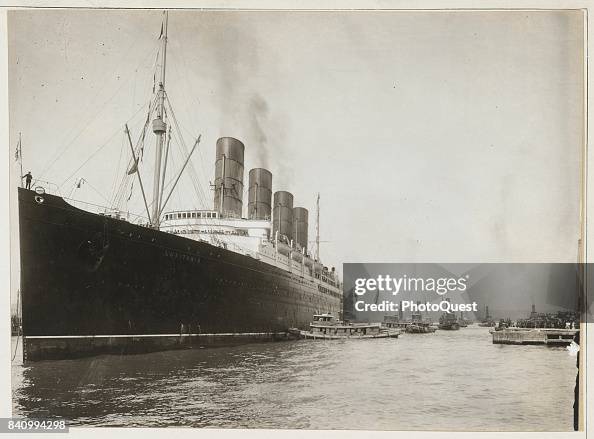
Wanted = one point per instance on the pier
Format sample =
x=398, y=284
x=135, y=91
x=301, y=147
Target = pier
x=534, y=336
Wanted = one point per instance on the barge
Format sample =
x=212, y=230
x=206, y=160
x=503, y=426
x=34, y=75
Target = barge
x=534, y=336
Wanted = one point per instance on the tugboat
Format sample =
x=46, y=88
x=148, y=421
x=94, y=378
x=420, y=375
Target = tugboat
x=462, y=320
x=503, y=324
x=488, y=322
x=420, y=328
x=416, y=324
x=326, y=327
x=448, y=322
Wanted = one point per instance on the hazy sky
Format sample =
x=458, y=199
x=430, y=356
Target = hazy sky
x=431, y=136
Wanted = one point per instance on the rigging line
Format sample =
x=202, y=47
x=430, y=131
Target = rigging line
x=201, y=158
x=180, y=142
x=198, y=186
x=198, y=189
x=176, y=133
x=115, y=187
x=19, y=328
x=69, y=144
x=185, y=76
x=126, y=191
x=142, y=136
x=99, y=92
x=139, y=144
x=165, y=164
x=170, y=182
x=180, y=174
x=138, y=173
x=155, y=65
x=97, y=206
x=192, y=170
x=123, y=190
x=125, y=181
x=89, y=158
x=178, y=196
x=146, y=78
x=95, y=189
x=92, y=155
x=115, y=177
x=118, y=194
x=185, y=95
x=16, y=346
x=189, y=87
x=72, y=190
x=101, y=108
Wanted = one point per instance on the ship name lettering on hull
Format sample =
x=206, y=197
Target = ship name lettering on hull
x=182, y=256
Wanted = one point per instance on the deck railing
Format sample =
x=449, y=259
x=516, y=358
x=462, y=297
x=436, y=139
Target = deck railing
x=52, y=188
x=107, y=211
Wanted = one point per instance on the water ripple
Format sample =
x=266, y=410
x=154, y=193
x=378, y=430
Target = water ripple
x=449, y=381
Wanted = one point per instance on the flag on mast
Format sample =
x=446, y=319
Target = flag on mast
x=133, y=169
x=131, y=189
x=17, y=154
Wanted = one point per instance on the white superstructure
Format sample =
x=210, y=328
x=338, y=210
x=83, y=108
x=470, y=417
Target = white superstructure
x=248, y=237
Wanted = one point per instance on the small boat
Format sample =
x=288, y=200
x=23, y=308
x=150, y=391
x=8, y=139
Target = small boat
x=503, y=324
x=326, y=327
x=395, y=322
x=415, y=325
x=488, y=322
x=420, y=328
x=462, y=321
x=448, y=322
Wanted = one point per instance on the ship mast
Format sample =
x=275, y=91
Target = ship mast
x=160, y=127
x=318, y=228
x=20, y=156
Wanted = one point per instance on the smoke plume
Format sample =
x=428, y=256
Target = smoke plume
x=258, y=119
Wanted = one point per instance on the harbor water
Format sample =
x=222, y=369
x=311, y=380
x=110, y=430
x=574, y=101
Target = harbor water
x=449, y=380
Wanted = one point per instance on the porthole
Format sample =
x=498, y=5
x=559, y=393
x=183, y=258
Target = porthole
x=39, y=199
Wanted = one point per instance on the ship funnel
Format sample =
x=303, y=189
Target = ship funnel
x=260, y=194
x=300, y=225
x=283, y=214
x=228, y=194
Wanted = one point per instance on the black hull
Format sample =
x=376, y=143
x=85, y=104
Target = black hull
x=449, y=327
x=87, y=274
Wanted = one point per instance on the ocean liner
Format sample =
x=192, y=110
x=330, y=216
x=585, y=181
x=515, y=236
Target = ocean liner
x=95, y=282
